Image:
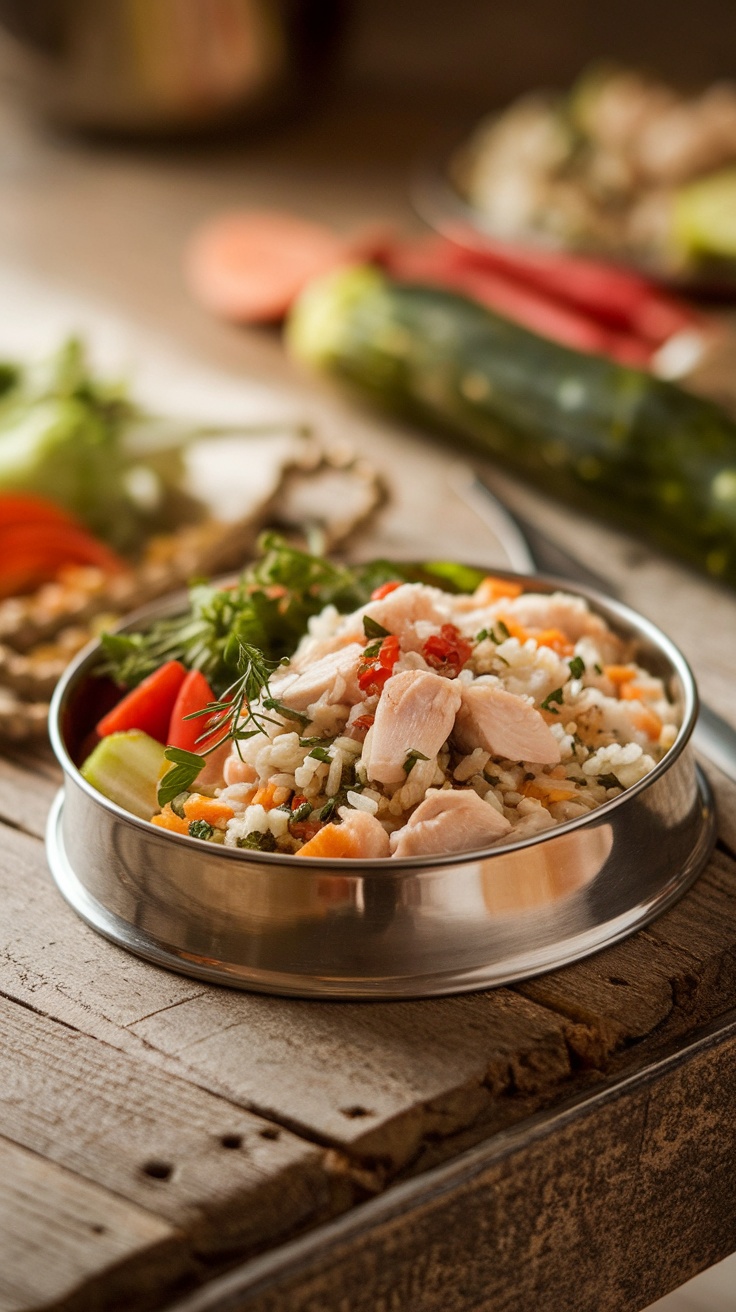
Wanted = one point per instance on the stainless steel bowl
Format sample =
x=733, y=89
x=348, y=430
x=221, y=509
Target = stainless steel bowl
x=372, y=929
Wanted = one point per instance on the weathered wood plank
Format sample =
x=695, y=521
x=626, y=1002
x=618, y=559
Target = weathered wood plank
x=228, y=1180
x=64, y=1241
x=375, y=1079
x=679, y=971
x=607, y=1204
x=25, y=794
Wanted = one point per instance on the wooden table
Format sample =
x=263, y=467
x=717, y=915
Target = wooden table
x=163, y=1144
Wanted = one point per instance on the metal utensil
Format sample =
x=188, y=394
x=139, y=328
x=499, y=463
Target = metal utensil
x=529, y=551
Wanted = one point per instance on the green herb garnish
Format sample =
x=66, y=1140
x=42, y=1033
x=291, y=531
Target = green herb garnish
x=302, y=812
x=481, y=637
x=371, y=651
x=321, y=754
x=609, y=781
x=503, y=630
x=186, y=767
x=258, y=842
x=411, y=759
x=286, y=712
x=200, y=829
x=556, y=695
x=577, y=667
x=372, y=629
x=598, y=668
x=328, y=809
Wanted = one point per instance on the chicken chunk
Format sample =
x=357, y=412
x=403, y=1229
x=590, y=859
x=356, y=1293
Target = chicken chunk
x=449, y=820
x=334, y=674
x=505, y=725
x=416, y=713
x=408, y=606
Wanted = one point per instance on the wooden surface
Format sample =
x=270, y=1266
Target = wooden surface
x=563, y=1143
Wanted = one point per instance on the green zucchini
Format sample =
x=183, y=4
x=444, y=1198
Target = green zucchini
x=612, y=440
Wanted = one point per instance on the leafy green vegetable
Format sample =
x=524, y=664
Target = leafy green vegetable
x=67, y=435
x=186, y=767
x=577, y=667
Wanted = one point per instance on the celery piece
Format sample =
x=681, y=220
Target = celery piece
x=125, y=768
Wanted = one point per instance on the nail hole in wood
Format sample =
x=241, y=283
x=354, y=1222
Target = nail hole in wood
x=354, y=1112
x=269, y=1133
x=158, y=1170
x=232, y=1141
x=616, y=979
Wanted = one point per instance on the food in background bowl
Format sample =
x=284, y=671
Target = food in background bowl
x=384, y=711
x=622, y=165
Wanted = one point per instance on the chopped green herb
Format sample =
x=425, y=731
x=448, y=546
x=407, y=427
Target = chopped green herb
x=501, y=658
x=598, y=668
x=200, y=829
x=556, y=695
x=257, y=842
x=302, y=812
x=371, y=651
x=411, y=759
x=502, y=630
x=177, y=805
x=490, y=778
x=321, y=754
x=316, y=742
x=577, y=667
x=328, y=809
x=273, y=704
x=609, y=781
x=481, y=637
x=372, y=629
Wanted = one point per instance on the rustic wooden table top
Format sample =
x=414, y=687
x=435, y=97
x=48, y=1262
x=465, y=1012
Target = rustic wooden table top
x=166, y=1144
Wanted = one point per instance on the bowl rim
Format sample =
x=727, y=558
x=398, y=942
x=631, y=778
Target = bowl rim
x=639, y=626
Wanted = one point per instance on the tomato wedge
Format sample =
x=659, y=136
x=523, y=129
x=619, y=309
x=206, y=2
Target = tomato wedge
x=193, y=695
x=149, y=706
x=32, y=553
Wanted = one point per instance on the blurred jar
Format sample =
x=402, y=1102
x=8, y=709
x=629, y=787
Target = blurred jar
x=165, y=66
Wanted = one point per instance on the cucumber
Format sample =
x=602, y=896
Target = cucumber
x=612, y=440
x=125, y=767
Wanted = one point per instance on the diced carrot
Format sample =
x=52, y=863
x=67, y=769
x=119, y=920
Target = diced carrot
x=211, y=809
x=193, y=696
x=648, y=721
x=331, y=840
x=249, y=266
x=619, y=674
x=490, y=589
x=515, y=629
x=149, y=706
x=556, y=639
x=167, y=819
x=270, y=795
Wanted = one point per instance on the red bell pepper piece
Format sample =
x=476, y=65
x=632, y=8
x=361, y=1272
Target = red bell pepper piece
x=198, y=734
x=147, y=707
x=378, y=594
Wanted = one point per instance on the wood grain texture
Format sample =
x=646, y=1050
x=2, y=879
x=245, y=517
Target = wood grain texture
x=604, y=1205
x=228, y=1180
x=68, y=1242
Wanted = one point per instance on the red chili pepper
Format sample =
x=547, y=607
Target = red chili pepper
x=372, y=679
x=378, y=594
x=389, y=652
x=296, y=802
x=363, y=722
x=448, y=651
